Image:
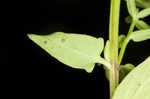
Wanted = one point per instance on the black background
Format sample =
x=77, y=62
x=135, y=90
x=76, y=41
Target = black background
x=74, y=16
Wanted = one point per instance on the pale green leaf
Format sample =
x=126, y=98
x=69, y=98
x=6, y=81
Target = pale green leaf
x=140, y=35
x=107, y=57
x=107, y=51
x=136, y=85
x=75, y=50
x=139, y=23
x=142, y=25
x=132, y=8
x=124, y=70
x=144, y=13
x=143, y=3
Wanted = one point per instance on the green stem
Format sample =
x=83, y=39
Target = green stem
x=125, y=42
x=113, y=37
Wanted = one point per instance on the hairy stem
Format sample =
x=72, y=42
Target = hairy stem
x=113, y=37
x=125, y=42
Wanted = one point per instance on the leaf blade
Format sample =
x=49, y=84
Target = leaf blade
x=131, y=5
x=142, y=25
x=75, y=50
x=133, y=86
x=140, y=35
x=144, y=13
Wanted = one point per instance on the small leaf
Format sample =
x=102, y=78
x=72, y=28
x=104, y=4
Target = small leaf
x=144, y=13
x=107, y=57
x=75, y=50
x=121, y=39
x=136, y=85
x=132, y=8
x=107, y=51
x=143, y=3
x=106, y=72
x=142, y=25
x=124, y=70
x=140, y=35
x=139, y=23
x=128, y=19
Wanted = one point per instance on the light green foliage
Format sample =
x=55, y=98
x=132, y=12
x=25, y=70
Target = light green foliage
x=124, y=70
x=136, y=84
x=132, y=8
x=107, y=51
x=140, y=35
x=82, y=51
x=133, y=11
x=107, y=57
x=143, y=3
x=144, y=13
x=138, y=23
x=142, y=25
x=75, y=50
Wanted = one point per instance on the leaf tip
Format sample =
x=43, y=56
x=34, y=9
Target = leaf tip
x=89, y=70
x=30, y=35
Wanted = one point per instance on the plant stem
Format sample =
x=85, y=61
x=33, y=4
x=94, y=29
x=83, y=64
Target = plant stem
x=113, y=37
x=125, y=42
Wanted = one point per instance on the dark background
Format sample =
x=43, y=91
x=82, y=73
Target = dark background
x=74, y=16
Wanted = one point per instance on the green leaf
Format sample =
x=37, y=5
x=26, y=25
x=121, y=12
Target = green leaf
x=140, y=35
x=139, y=23
x=121, y=39
x=142, y=25
x=107, y=51
x=75, y=50
x=124, y=70
x=128, y=19
x=136, y=85
x=132, y=8
x=143, y=3
x=144, y=13
x=107, y=57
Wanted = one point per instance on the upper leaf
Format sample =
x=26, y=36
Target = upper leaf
x=144, y=13
x=142, y=25
x=143, y=3
x=75, y=50
x=140, y=35
x=136, y=85
x=132, y=8
x=139, y=23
